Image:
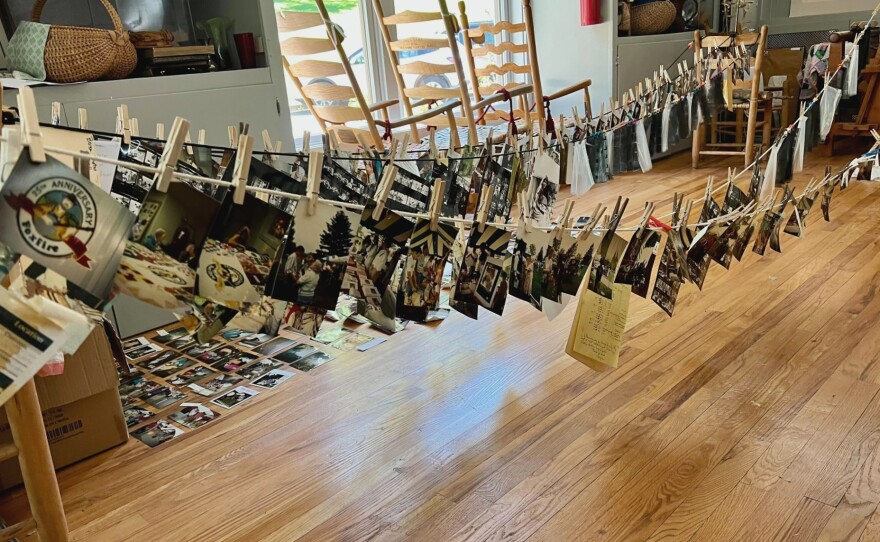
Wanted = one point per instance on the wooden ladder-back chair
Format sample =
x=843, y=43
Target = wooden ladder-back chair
x=746, y=111
x=416, y=95
x=476, y=46
x=329, y=102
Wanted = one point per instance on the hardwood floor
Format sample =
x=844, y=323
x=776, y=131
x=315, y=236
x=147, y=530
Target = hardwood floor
x=753, y=414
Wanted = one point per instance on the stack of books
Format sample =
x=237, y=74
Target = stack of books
x=157, y=61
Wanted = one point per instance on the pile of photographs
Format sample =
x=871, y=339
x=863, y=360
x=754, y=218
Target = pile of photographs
x=176, y=384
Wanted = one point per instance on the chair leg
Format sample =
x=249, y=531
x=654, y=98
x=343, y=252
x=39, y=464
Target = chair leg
x=750, y=131
x=699, y=134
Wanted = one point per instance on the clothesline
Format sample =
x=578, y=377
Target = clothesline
x=179, y=176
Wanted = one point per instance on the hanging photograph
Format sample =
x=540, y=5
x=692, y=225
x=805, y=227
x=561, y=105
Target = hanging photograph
x=638, y=261
x=316, y=253
x=419, y=291
x=237, y=256
x=668, y=281
x=59, y=219
x=543, y=189
x=528, y=264
x=606, y=260
x=304, y=319
x=160, y=267
x=484, y=270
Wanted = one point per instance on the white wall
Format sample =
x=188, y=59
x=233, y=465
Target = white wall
x=569, y=53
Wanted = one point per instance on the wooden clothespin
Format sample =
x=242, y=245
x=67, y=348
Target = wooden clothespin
x=160, y=131
x=708, y=195
x=83, y=115
x=267, y=144
x=203, y=134
x=124, y=124
x=432, y=142
x=483, y=212
x=565, y=219
x=135, y=128
x=591, y=224
x=522, y=202
x=242, y=168
x=577, y=118
x=233, y=135
x=31, y=134
x=313, y=187
x=307, y=142
x=617, y=214
x=436, y=203
x=56, y=114
x=389, y=173
x=404, y=144
x=170, y=155
x=188, y=146
x=646, y=216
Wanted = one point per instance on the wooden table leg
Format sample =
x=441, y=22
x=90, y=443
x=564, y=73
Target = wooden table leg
x=29, y=433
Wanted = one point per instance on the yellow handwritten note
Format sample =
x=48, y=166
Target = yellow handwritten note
x=597, y=331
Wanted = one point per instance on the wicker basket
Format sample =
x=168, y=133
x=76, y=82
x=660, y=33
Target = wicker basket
x=77, y=53
x=652, y=18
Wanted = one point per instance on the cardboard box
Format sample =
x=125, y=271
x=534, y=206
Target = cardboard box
x=81, y=408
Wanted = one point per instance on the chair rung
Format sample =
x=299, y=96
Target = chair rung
x=723, y=153
x=8, y=451
x=19, y=529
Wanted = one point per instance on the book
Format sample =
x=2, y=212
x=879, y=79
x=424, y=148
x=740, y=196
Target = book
x=165, y=52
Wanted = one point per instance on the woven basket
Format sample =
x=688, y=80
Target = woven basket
x=652, y=18
x=78, y=53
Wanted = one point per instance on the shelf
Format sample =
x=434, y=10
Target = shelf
x=654, y=38
x=154, y=86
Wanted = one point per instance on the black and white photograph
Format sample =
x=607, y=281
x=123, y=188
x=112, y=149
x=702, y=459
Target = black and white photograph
x=59, y=219
x=638, y=261
x=199, y=349
x=412, y=187
x=543, y=189
x=136, y=388
x=160, y=267
x=193, y=415
x=296, y=353
x=668, y=281
x=235, y=397
x=272, y=379
x=156, y=433
x=163, y=396
x=141, y=351
x=275, y=345
x=312, y=361
x=237, y=256
x=259, y=368
x=312, y=265
x=182, y=344
x=303, y=319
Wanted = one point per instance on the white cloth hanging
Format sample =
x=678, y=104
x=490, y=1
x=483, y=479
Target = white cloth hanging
x=828, y=110
x=770, y=172
x=664, y=126
x=642, y=148
x=690, y=103
x=799, y=145
x=875, y=169
x=851, y=79
x=581, y=174
x=609, y=145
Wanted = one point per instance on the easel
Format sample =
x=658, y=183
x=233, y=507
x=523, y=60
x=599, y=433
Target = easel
x=32, y=449
x=868, y=117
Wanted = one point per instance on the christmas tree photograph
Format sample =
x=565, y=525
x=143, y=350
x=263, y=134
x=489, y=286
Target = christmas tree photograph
x=337, y=237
